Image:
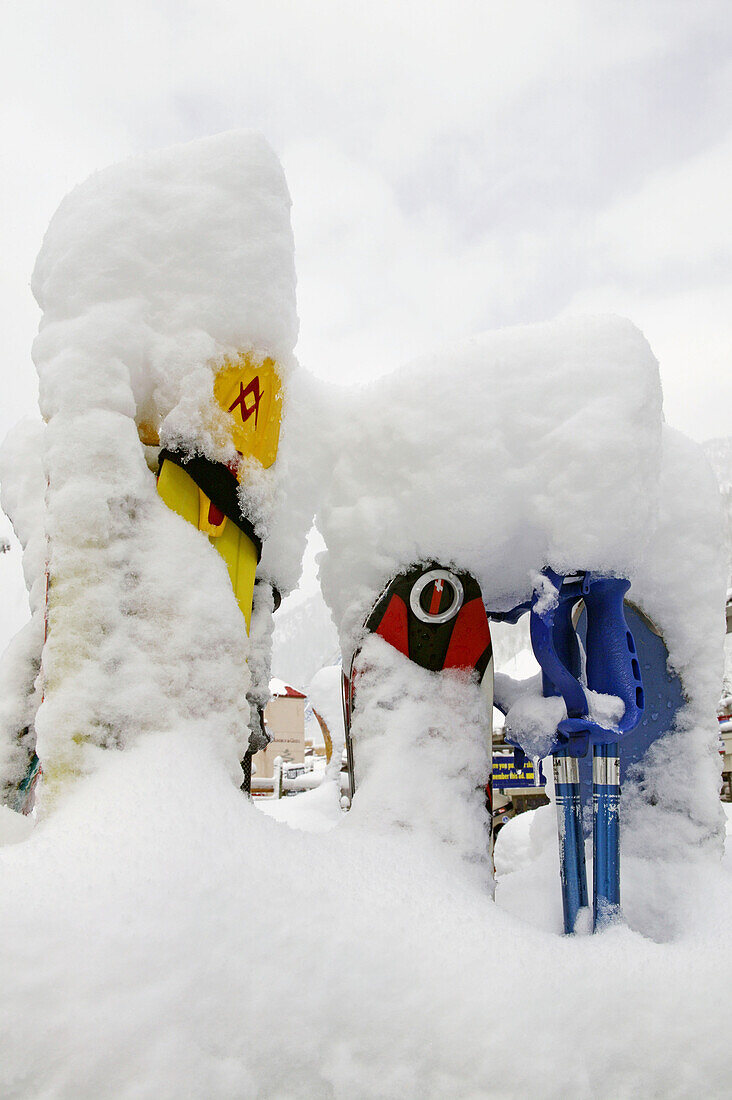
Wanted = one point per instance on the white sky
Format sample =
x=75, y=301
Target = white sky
x=453, y=166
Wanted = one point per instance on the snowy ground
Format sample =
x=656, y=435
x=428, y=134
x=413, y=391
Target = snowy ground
x=161, y=937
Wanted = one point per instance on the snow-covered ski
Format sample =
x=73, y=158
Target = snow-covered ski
x=436, y=618
x=212, y=495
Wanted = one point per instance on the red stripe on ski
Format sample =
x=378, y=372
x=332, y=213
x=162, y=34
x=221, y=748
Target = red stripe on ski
x=393, y=627
x=215, y=516
x=471, y=637
x=436, y=597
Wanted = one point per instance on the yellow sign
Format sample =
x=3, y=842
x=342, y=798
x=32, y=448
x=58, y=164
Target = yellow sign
x=506, y=774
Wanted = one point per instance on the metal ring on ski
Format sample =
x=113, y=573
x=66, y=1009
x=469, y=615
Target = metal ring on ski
x=438, y=577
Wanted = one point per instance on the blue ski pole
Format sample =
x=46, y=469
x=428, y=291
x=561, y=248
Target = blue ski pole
x=572, y=871
x=612, y=669
x=555, y=644
x=605, y=833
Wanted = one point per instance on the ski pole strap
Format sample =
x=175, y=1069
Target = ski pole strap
x=220, y=486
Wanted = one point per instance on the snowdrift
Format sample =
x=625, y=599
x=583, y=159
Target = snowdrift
x=160, y=936
x=535, y=446
x=514, y=450
x=151, y=273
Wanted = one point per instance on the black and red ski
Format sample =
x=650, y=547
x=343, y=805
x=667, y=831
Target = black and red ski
x=437, y=619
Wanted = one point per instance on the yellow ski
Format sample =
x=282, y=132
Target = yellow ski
x=204, y=493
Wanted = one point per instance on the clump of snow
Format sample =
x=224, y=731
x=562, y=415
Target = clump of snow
x=23, y=496
x=151, y=274
x=153, y=267
x=527, y=448
x=606, y=710
x=14, y=827
x=547, y=595
x=314, y=811
x=673, y=813
x=523, y=838
x=260, y=645
x=144, y=632
x=532, y=721
x=305, y=638
x=20, y=698
x=421, y=743
x=324, y=692
x=296, y=478
x=325, y=695
x=719, y=453
x=534, y=447
x=503, y=454
x=161, y=936
x=23, y=481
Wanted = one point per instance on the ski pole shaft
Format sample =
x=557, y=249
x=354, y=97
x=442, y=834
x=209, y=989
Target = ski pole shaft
x=572, y=869
x=605, y=833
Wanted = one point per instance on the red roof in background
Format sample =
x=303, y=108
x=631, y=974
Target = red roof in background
x=291, y=692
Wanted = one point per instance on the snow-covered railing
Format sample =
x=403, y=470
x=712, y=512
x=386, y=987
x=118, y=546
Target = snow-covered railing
x=281, y=781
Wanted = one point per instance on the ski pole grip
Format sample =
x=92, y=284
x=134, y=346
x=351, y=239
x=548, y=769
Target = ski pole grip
x=612, y=662
x=555, y=647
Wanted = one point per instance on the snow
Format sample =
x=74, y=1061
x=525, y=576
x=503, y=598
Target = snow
x=161, y=935
x=20, y=647
x=421, y=745
x=15, y=610
x=719, y=453
x=532, y=721
x=325, y=695
x=315, y=811
x=153, y=271
x=155, y=265
x=150, y=274
x=534, y=446
x=14, y=827
x=304, y=640
x=545, y=446
x=23, y=490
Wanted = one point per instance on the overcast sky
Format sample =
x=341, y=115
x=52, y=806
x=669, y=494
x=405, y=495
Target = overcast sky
x=454, y=166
